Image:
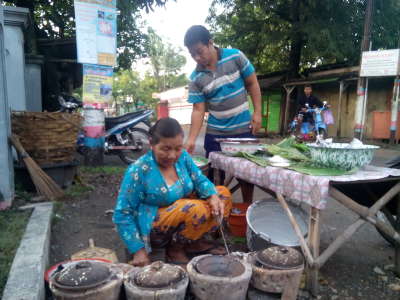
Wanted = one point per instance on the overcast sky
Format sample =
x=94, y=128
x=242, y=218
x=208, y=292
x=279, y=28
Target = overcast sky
x=172, y=21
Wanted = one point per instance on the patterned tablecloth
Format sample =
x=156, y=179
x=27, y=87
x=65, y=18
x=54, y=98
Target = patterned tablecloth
x=313, y=190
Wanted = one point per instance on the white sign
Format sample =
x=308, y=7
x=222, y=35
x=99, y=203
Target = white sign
x=380, y=63
x=96, y=31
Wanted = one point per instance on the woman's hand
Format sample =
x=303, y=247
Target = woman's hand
x=140, y=259
x=217, y=206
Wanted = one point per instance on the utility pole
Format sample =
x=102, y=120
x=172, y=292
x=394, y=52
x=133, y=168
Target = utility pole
x=395, y=104
x=362, y=80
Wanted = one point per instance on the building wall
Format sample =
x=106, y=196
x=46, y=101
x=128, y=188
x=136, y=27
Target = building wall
x=15, y=67
x=33, y=83
x=379, y=97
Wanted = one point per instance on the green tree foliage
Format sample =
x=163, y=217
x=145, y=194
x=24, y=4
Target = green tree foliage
x=295, y=34
x=55, y=19
x=166, y=62
x=130, y=90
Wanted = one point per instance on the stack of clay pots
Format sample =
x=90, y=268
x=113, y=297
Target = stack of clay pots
x=157, y=281
x=219, y=277
x=277, y=269
x=87, y=280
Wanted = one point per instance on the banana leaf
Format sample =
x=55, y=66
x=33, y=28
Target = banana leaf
x=312, y=169
x=258, y=160
x=288, y=153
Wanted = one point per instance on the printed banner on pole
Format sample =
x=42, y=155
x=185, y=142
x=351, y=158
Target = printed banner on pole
x=97, y=86
x=96, y=31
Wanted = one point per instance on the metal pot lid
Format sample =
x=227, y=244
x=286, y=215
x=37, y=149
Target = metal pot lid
x=82, y=275
x=158, y=275
x=280, y=257
x=219, y=265
x=268, y=220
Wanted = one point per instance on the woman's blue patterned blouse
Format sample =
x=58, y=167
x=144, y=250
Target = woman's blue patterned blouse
x=143, y=191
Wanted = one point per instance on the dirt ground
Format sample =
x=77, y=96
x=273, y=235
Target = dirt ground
x=361, y=269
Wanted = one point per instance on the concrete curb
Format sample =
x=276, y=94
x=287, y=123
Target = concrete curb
x=25, y=279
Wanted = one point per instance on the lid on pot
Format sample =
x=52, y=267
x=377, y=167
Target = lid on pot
x=219, y=265
x=280, y=257
x=82, y=275
x=158, y=275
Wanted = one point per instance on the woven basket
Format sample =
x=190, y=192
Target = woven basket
x=49, y=138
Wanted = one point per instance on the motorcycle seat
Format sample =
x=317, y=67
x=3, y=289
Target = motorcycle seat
x=111, y=122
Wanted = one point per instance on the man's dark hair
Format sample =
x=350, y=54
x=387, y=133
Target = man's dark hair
x=308, y=85
x=196, y=34
x=164, y=128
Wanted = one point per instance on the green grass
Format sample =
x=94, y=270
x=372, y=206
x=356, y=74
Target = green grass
x=12, y=227
x=77, y=190
x=103, y=170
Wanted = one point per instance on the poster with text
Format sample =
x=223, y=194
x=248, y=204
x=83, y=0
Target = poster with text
x=97, y=86
x=96, y=31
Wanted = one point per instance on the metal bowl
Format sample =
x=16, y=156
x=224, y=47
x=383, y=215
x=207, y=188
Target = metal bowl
x=269, y=225
x=341, y=155
x=231, y=146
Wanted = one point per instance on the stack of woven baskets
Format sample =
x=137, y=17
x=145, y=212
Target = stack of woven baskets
x=48, y=137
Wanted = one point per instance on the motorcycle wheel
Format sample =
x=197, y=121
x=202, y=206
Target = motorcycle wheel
x=138, y=137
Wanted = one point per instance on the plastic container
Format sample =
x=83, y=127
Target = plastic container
x=237, y=219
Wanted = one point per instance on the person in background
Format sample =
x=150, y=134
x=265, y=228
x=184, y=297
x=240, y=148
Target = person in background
x=165, y=200
x=307, y=101
x=220, y=84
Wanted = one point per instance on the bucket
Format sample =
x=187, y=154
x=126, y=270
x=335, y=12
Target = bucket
x=237, y=219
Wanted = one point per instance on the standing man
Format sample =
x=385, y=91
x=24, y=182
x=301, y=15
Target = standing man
x=220, y=84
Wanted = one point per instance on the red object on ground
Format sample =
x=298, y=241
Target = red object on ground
x=237, y=219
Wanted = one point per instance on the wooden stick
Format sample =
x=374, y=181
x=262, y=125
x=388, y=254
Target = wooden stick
x=299, y=234
x=384, y=199
x=268, y=191
x=348, y=202
x=228, y=180
x=313, y=241
x=247, y=190
x=385, y=228
x=364, y=212
x=340, y=240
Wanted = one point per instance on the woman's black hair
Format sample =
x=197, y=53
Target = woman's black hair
x=164, y=128
x=196, y=34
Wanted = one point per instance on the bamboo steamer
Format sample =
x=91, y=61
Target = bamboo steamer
x=48, y=137
x=96, y=252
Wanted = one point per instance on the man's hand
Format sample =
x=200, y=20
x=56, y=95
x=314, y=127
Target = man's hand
x=217, y=206
x=140, y=259
x=190, y=145
x=197, y=122
x=255, y=123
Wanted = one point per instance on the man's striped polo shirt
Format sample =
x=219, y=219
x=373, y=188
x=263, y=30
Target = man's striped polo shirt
x=224, y=92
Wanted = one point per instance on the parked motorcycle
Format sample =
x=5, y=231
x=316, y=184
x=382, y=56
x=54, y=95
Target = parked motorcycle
x=126, y=136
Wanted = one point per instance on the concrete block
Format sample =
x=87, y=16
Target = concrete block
x=25, y=280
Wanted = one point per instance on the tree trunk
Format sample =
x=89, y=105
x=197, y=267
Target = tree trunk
x=296, y=41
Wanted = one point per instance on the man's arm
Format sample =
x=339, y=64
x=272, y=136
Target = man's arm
x=197, y=122
x=253, y=88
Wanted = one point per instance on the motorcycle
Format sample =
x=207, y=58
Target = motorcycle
x=307, y=132
x=126, y=136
